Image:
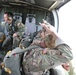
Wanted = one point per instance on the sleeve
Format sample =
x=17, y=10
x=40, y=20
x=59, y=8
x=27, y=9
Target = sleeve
x=61, y=54
x=64, y=49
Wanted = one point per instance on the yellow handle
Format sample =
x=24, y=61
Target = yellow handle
x=9, y=52
x=8, y=70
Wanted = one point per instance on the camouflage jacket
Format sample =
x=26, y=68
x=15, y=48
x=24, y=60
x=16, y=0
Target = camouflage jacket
x=15, y=27
x=20, y=28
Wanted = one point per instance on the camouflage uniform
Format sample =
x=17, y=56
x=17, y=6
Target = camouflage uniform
x=9, y=30
x=36, y=62
x=20, y=29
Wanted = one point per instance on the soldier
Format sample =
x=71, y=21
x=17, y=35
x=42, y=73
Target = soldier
x=18, y=31
x=13, y=30
x=46, y=57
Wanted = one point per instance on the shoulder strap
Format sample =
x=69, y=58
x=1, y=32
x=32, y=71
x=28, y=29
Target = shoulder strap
x=19, y=50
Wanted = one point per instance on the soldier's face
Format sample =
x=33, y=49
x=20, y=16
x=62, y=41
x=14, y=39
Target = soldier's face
x=9, y=21
x=5, y=17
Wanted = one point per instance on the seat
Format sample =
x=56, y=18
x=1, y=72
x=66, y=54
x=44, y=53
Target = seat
x=30, y=24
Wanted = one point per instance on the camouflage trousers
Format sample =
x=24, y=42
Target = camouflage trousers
x=10, y=43
x=7, y=43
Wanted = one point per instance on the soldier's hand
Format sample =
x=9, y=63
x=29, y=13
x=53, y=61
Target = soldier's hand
x=14, y=35
x=42, y=44
x=66, y=66
x=49, y=28
x=44, y=51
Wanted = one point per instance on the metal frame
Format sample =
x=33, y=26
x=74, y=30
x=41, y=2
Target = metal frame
x=57, y=4
x=56, y=19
